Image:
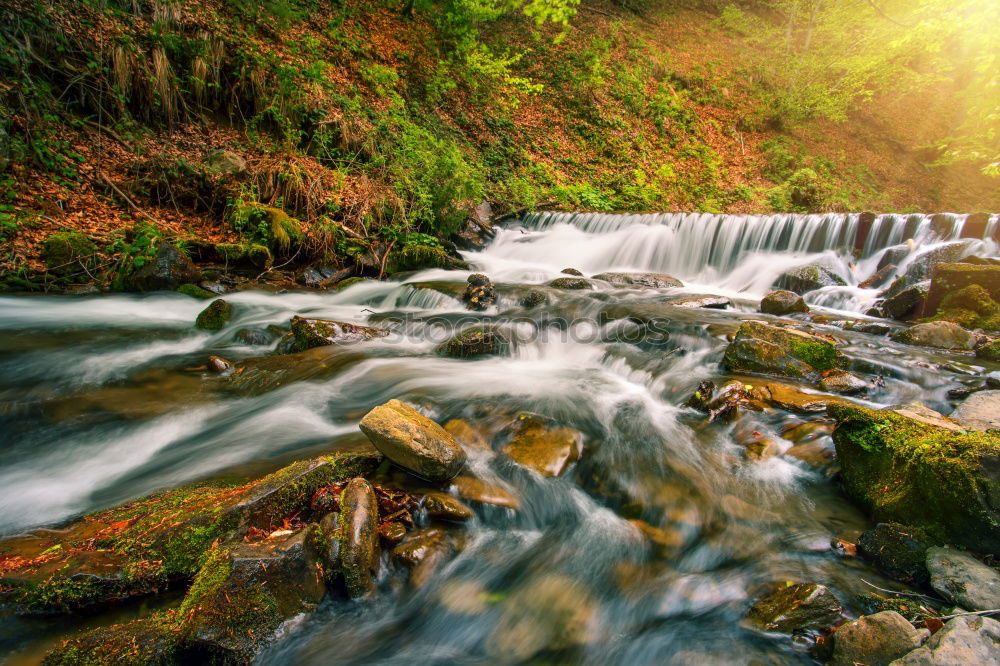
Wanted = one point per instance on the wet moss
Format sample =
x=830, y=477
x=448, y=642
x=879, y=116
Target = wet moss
x=151, y=641
x=64, y=251
x=990, y=351
x=906, y=471
x=970, y=307
x=195, y=291
x=418, y=257
x=821, y=355
x=215, y=316
x=347, y=282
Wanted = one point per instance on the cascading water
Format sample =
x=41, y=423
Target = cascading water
x=647, y=550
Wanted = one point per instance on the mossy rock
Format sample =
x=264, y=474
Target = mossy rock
x=311, y=333
x=950, y=279
x=260, y=256
x=64, y=251
x=571, y=283
x=419, y=257
x=195, y=291
x=970, y=307
x=780, y=351
x=215, y=316
x=230, y=252
x=347, y=282
x=990, y=351
x=476, y=341
x=804, y=279
x=140, y=547
x=908, y=471
x=899, y=550
x=151, y=641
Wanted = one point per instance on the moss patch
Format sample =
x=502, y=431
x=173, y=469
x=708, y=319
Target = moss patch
x=64, y=251
x=905, y=471
x=215, y=316
x=195, y=291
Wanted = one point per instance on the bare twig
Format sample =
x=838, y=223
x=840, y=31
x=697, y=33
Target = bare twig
x=985, y=612
x=903, y=594
x=385, y=257
x=124, y=196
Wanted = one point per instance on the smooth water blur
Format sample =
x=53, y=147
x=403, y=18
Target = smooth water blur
x=104, y=399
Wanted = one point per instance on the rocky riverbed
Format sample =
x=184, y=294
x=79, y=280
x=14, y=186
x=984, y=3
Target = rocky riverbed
x=529, y=463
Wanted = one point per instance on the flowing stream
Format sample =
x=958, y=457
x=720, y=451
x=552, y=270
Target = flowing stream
x=101, y=402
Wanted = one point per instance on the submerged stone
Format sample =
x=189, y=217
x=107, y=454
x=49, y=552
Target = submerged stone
x=446, y=507
x=783, y=302
x=571, y=283
x=939, y=334
x=423, y=552
x=916, y=473
x=359, y=551
x=541, y=444
x=650, y=280
x=796, y=607
x=784, y=352
x=711, y=302
x=413, y=441
x=311, y=333
x=474, y=489
x=215, y=316
x=875, y=640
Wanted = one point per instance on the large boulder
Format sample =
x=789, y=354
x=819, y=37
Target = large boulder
x=898, y=550
x=980, y=411
x=796, y=607
x=650, y=280
x=476, y=341
x=413, y=441
x=922, y=266
x=68, y=252
x=169, y=269
x=963, y=640
x=311, y=333
x=939, y=334
x=963, y=580
x=875, y=640
x=804, y=279
x=949, y=278
x=151, y=542
x=784, y=352
x=359, y=552
x=243, y=594
x=907, y=302
x=971, y=307
x=908, y=470
x=541, y=444
x=782, y=302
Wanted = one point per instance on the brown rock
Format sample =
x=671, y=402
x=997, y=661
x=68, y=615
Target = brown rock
x=359, y=551
x=541, y=444
x=446, y=507
x=466, y=434
x=796, y=607
x=875, y=640
x=413, y=441
x=476, y=490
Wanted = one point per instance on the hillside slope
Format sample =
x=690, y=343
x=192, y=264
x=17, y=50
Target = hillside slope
x=344, y=131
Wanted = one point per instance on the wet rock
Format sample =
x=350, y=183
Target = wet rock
x=219, y=364
x=921, y=267
x=989, y=351
x=843, y=382
x=548, y=614
x=392, y=533
x=927, y=416
x=151, y=640
x=650, y=280
x=963, y=640
x=243, y=594
x=413, y=441
x=971, y=307
x=253, y=336
x=898, y=550
x=446, y=507
x=423, y=551
x=258, y=375
x=323, y=276
x=950, y=278
x=711, y=302
x=879, y=277
x=541, y=444
x=422, y=257
x=532, y=298
x=784, y=352
x=476, y=341
x=194, y=291
x=962, y=579
x=571, y=283
x=732, y=400
x=702, y=397
x=477, y=229
x=875, y=640
x=794, y=399
x=940, y=334
x=215, y=316
x=169, y=269
x=329, y=539
x=894, y=255
x=783, y=302
x=571, y=271
x=980, y=411
x=796, y=607
x=224, y=162
x=761, y=449
x=473, y=489
x=816, y=454
x=359, y=551
x=464, y=597
x=942, y=480
x=212, y=287
x=466, y=435
x=908, y=302
x=804, y=279
x=871, y=328
x=480, y=293
x=311, y=333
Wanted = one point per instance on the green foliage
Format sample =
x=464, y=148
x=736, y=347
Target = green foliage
x=262, y=225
